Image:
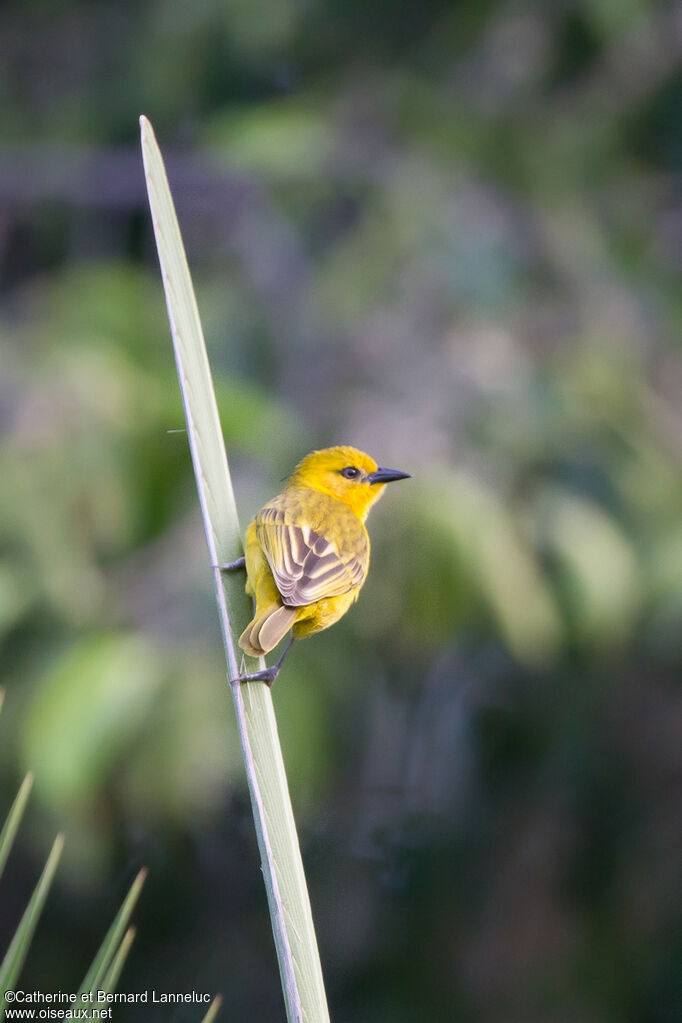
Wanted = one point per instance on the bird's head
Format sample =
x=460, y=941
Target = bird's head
x=347, y=474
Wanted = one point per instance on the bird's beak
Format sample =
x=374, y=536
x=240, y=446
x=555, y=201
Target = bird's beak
x=382, y=475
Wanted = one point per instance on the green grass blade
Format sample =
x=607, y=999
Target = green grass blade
x=214, y=1009
x=110, y=946
x=117, y=963
x=11, y=825
x=285, y=884
x=16, y=953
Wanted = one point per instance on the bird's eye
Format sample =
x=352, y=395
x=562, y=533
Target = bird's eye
x=350, y=472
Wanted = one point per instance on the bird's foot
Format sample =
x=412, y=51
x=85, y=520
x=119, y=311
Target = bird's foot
x=233, y=566
x=267, y=675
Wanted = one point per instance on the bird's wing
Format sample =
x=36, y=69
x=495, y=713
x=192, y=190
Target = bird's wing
x=306, y=565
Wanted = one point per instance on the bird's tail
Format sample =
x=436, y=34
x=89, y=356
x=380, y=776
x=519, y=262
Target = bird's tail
x=267, y=629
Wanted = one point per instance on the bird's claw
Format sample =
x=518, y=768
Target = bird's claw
x=267, y=675
x=233, y=566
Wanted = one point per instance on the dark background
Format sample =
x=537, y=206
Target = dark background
x=447, y=233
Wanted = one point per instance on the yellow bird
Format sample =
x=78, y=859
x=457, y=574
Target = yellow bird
x=307, y=550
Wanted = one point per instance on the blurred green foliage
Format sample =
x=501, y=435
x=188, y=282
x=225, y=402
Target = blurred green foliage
x=449, y=234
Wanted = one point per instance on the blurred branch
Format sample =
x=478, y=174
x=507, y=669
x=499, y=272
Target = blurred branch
x=637, y=62
x=108, y=178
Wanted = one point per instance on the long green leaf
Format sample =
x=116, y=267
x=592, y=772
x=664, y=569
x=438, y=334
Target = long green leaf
x=16, y=953
x=110, y=946
x=11, y=825
x=285, y=884
x=117, y=963
x=214, y=1009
